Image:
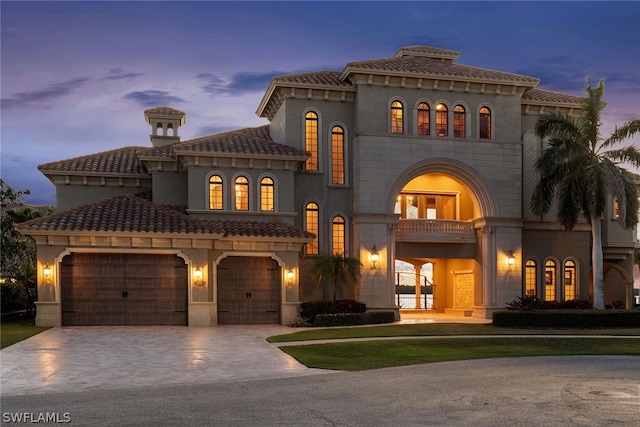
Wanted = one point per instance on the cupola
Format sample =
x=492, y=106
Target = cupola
x=165, y=122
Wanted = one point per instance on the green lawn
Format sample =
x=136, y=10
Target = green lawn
x=15, y=330
x=436, y=329
x=356, y=356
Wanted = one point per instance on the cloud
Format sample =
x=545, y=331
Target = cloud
x=44, y=95
x=152, y=98
x=119, y=74
x=240, y=83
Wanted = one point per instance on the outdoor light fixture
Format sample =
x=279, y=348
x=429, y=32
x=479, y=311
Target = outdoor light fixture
x=511, y=259
x=374, y=256
x=197, y=275
x=290, y=276
x=46, y=270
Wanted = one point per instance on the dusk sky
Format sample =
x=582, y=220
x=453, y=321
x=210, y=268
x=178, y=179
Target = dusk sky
x=76, y=76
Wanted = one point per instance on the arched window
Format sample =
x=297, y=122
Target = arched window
x=550, y=280
x=442, y=120
x=530, y=278
x=169, y=129
x=267, y=194
x=159, y=129
x=311, y=140
x=423, y=118
x=485, y=123
x=569, y=280
x=312, y=214
x=337, y=155
x=216, y=193
x=338, y=235
x=459, y=121
x=397, y=117
x=242, y=194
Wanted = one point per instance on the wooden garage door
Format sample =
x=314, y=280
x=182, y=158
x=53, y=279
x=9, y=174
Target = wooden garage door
x=248, y=290
x=123, y=289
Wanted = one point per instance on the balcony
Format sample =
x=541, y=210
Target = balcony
x=435, y=230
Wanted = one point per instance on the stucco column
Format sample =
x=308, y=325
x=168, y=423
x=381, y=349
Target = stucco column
x=488, y=248
x=418, y=289
x=391, y=262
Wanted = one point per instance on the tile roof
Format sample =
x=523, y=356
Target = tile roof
x=133, y=214
x=548, y=96
x=255, y=141
x=128, y=213
x=164, y=111
x=119, y=161
x=322, y=78
x=436, y=68
x=427, y=51
x=261, y=229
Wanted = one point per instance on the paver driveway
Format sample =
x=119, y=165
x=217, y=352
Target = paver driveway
x=73, y=359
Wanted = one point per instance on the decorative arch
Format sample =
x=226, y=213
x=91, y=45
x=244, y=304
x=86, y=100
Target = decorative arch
x=485, y=202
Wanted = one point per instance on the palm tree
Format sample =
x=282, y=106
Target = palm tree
x=336, y=267
x=582, y=169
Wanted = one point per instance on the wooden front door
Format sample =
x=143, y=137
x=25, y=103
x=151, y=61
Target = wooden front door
x=123, y=289
x=248, y=290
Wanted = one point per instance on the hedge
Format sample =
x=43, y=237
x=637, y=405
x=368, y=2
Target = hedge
x=309, y=310
x=350, y=319
x=568, y=318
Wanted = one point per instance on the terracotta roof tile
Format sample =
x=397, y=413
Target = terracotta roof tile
x=322, y=78
x=164, y=111
x=128, y=214
x=261, y=229
x=427, y=51
x=118, y=161
x=542, y=95
x=436, y=68
x=133, y=214
x=256, y=141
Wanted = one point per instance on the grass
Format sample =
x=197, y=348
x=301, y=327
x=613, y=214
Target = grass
x=437, y=329
x=16, y=330
x=357, y=356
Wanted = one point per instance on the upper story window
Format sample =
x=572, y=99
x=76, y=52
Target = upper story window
x=397, y=117
x=312, y=214
x=616, y=208
x=337, y=155
x=216, y=192
x=530, y=278
x=267, y=198
x=311, y=140
x=423, y=118
x=550, y=280
x=485, y=123
x=459, y=122
x=338, y=235
x=242, y=194
x=569, y=280
x=442, y=120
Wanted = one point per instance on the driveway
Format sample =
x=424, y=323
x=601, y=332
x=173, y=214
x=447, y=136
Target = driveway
x=75, y=359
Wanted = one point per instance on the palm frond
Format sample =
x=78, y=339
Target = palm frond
x=556, y=123
x=626, y=131
x=592, y=105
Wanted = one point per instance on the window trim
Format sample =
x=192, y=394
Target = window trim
x=274, y=195
x=207, y=191
x=390, y=108
x=318, y=136
x=249, y=192
x=305, y=226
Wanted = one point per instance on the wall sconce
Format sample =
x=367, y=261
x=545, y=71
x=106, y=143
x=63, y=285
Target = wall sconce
x=290, y=276
x=197, y=276
x=46, y=271
x=374, y=256
x=511, y=259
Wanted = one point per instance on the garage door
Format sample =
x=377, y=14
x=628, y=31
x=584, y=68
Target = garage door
x=123, y=289
x=248, y=290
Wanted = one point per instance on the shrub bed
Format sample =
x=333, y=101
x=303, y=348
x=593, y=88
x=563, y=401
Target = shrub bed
x=567, y=318
x=350, y=319
x=309, y=310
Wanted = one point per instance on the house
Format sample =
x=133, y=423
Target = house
x=414, y=157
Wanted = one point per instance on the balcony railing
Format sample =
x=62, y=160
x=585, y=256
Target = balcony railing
x=435, y=230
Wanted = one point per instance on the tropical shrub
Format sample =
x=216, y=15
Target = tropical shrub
x=309, y=310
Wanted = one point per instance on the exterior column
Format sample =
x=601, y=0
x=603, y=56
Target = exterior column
x=391, y=263
x=488, y=247
x=418, y=289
